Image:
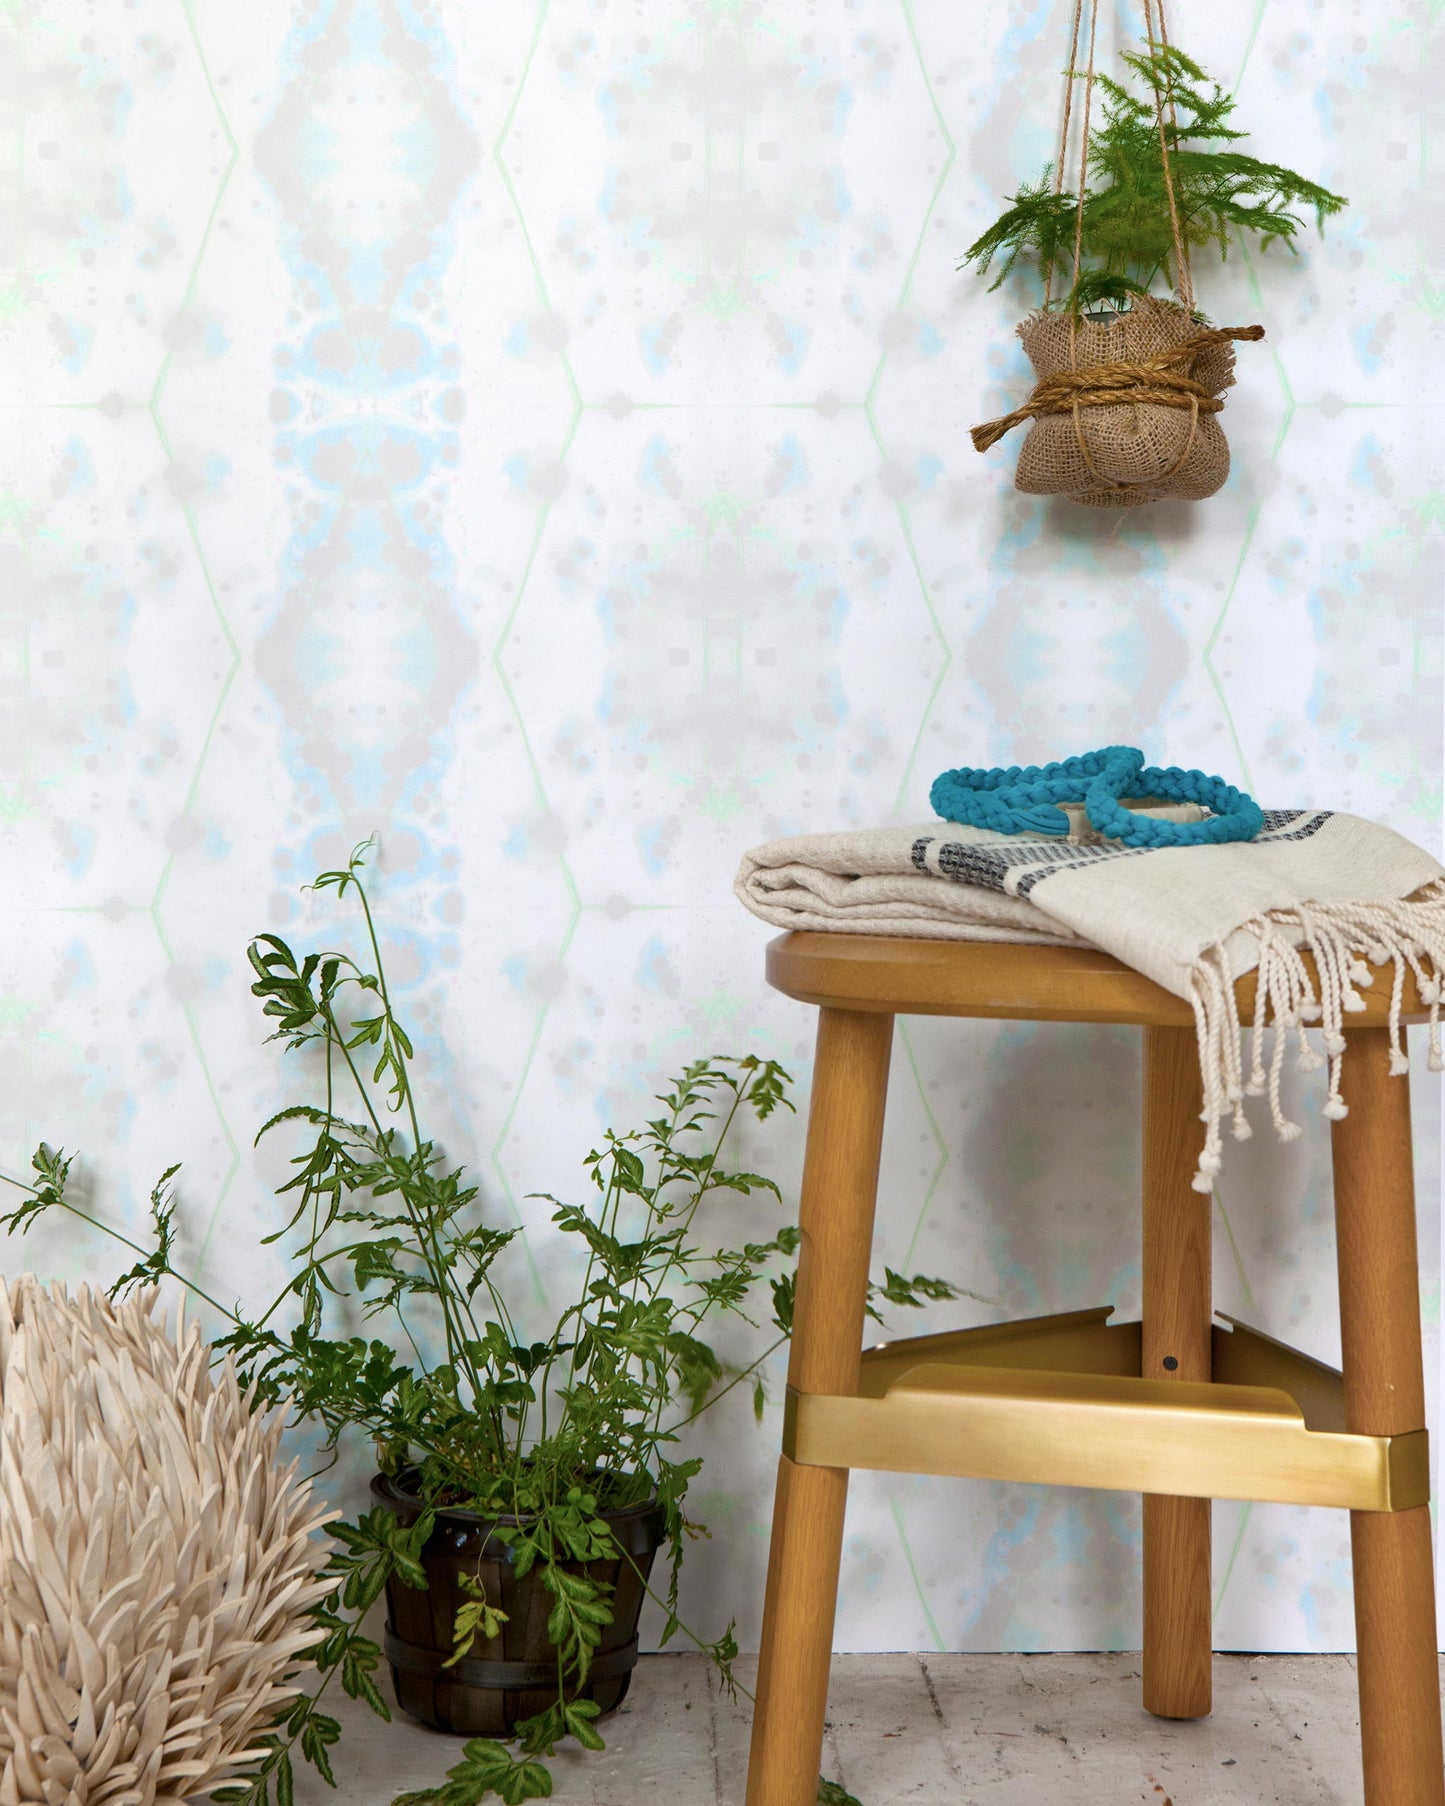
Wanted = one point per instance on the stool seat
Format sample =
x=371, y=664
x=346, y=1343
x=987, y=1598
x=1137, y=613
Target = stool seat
x=1003, y=979
x=1174, y=1406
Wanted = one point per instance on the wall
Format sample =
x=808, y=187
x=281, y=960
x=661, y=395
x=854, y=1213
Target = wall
x=538, y=434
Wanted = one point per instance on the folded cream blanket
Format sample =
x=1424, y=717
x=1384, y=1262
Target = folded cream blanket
x=1191, y=918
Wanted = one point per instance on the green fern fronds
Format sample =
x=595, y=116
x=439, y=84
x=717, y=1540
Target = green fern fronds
x=1223, y=196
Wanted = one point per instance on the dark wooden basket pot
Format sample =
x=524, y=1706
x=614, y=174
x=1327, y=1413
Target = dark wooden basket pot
x=515, y=1675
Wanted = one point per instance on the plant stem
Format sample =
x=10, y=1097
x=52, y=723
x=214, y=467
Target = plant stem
x=714, y=1398
x=435, y=1265
x=125, y=1241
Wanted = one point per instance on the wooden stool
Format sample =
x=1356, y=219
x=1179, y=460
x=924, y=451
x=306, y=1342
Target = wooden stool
x=1177, y=1408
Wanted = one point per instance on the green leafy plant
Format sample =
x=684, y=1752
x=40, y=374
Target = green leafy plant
x=1221, y=194
x=551, y=1430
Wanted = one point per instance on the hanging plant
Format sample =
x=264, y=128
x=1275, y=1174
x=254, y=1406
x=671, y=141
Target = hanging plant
x=1130, y=374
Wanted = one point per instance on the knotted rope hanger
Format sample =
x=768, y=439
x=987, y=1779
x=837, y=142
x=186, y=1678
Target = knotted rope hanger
x=1163, y=379
x=1183, y=273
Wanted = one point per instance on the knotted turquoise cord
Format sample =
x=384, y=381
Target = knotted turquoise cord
x=1024, y=799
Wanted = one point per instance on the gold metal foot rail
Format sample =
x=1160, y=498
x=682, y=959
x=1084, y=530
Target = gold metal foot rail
x=1060, y=1400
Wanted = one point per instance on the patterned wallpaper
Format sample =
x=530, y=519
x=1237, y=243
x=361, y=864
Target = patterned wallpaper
x=537, y=432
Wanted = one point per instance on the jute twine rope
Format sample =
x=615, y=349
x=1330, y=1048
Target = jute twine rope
x=1160, y=380
x=1183, y=272
x=1070, y=76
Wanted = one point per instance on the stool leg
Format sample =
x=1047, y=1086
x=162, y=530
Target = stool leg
x=840, y=1186
x=1385, y=1396
x=1178, y=1639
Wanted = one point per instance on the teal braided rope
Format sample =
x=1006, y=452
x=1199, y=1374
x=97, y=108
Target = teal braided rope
x=1025, y=799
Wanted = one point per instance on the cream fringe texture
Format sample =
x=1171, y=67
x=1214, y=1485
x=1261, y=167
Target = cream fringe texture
x=156, y=1563
x=1342, y=937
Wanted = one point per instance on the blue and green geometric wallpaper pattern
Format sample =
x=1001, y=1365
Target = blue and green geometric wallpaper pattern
x=537, y=432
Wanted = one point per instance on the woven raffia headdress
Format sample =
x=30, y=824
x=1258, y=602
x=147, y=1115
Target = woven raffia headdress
x=156, y=1562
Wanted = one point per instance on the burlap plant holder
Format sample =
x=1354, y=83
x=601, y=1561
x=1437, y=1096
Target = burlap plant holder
x=1125, y=408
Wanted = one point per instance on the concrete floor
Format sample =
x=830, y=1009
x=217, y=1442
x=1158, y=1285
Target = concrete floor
x=965, y=1730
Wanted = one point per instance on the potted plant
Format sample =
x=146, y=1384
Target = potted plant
x=526, y=1481
x=1130, y=373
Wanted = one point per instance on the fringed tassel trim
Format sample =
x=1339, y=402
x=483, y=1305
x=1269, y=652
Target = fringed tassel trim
x=1347, y=941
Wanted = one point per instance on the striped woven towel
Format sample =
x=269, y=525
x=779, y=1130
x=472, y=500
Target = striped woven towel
x=1193, y=919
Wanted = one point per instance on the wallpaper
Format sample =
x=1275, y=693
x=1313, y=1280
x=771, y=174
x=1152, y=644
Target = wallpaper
x=536, y=433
